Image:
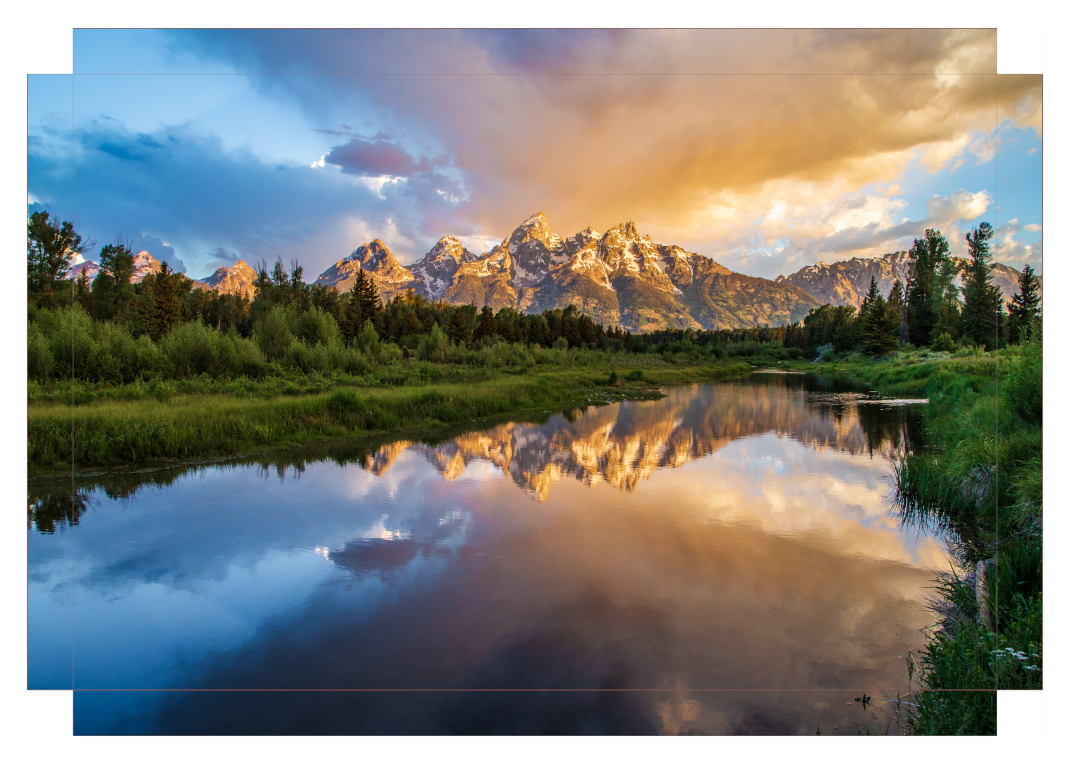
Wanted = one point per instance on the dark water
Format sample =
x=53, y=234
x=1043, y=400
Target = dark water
x=721, y=561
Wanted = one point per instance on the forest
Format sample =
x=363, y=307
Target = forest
x=113, y=331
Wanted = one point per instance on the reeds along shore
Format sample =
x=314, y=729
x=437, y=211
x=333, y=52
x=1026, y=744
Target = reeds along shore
x=980, y=478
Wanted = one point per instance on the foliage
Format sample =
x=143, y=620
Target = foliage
x=982, y=311
x=929, y=301
x=1024, y=320
x=206, y=418
x=50, y=246
x=831, y=325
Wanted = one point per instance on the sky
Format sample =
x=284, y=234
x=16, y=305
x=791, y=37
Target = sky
x=767, y=150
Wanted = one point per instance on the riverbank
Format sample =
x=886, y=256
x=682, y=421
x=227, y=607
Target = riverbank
x=120, y=427
x=980, y=477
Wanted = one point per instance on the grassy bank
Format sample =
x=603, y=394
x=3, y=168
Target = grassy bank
x=119, y=426
x=980, y=476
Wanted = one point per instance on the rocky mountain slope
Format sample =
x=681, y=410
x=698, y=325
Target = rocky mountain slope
x=616, y=277
x=390, y=276
x=238, y=279
x=846, y=282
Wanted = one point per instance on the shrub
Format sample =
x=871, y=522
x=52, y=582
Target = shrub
x=275, y=334
x=38, y=358
x=1021, y=381
x=433, y=346
x=192, y=349
x=561, y=344
x=306, y=358
x=943, y=343
x=315, y=327
x=367, y=340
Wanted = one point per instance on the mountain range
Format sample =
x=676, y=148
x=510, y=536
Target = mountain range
x=617, y=277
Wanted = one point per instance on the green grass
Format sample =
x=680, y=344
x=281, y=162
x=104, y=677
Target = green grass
x=113, y=431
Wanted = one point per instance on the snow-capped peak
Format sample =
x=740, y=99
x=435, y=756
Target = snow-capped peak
x=538, y=217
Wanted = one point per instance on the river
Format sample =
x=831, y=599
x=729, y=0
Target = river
x=724, y=560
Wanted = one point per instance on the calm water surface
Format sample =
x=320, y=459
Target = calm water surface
x=720, y=561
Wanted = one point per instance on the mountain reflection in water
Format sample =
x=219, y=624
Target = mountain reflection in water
x=627, y=442
x=720, y=561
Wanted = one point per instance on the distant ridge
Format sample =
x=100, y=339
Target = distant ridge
x=846, y=282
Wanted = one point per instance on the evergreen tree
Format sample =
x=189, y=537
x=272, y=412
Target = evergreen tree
x=50, y=245
x=113, y=293
x=457, y=325
x=946, y=305
x=160, y=305
x=362, y=305
x=871, y=297
x=298, y=292
x=145, y=320
x=923, y=299
x=889, y=326
x=878, y=323
x=1024, y=308
x=83, y=292
x=897, y=302
x=367, y=295
x=983, y=305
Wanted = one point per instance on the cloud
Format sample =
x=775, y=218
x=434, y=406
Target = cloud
x=733, y=143
x=821, y=222
x=182, y=187
x=962, y=205
x=1007, y=249
x=375, y=158
x=648, y=135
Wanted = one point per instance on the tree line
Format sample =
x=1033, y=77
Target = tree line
x=929, y=309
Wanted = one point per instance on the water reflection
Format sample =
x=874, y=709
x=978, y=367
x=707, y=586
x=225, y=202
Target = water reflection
x=627, y=442
x=726, y=539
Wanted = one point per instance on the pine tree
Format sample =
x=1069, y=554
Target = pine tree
x=897, y=303
x=983, y=304
x=1024, y=308
x=166, y=290
x=362, y=305
x=83, y=292
x=885, y=329
x=457, y=325
x=367, y=295
x=878, y=324
x=928, y=256
x=946, y=305
x=112, y=291
x=145, y=320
